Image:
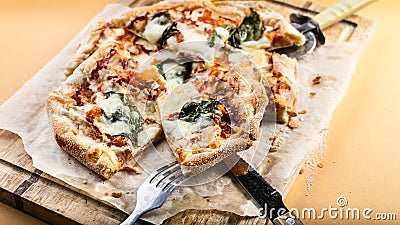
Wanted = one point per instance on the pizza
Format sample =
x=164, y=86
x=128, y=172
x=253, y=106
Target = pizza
x=268, y=30
x=105, y=32
x=101, y=114
x=280, y=75
x=209, y=110
x=249, y=26
x=203, y=92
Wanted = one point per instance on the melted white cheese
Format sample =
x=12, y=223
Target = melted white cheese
x=147, y=45
x=109, y=106
x=141, y=58
x=112, y=104
x=183, y=132
x=259, y=58
x=174, y=101
x=154, y=30
x=148, y=135
x=261, y=43
x=199, y=48
x=192, y=34
x=114, y=128
x=236, y=57
x=171, y=71
x=197, y=13
x=222, y=33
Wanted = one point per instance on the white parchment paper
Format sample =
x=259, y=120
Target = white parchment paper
x=24, y=114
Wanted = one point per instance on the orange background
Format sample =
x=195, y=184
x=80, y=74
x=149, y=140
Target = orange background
x=363, y=155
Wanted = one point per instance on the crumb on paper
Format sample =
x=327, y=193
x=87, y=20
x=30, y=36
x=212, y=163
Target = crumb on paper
x=75, y=132
x=312, y=94
x=207, y=198
x=84, y=182
x=320, y=165
x=302, y=111
x=273, y=149
x=134, y=169
x=301, y=171
x=276, y=142
x=317, y=80
x=293, y=124
x=106, y=194
x=292, y=114
x=116, y=194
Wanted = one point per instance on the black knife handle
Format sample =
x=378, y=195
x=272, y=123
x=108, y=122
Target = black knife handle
x=263, y=193
x=287, y=219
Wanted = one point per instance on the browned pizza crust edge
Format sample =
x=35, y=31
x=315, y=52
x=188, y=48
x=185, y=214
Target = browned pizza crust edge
x=282, y=35
x=243, y=140
x=66, y=135
x=206, y=160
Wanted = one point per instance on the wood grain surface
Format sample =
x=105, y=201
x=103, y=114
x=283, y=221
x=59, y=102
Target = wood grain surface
x=49, y=199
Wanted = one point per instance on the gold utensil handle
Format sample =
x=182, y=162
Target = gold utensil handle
x=339, y=11
x=287, y=219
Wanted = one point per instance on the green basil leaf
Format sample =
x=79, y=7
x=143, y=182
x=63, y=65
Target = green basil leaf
x=162, y=17
x=170, y=31
x=185, y=68
x=213, y=38
x=251, y=29
x=133, y=119
x=191, y=111
x=209, y=106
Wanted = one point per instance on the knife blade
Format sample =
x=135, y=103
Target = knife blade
x=266, y=196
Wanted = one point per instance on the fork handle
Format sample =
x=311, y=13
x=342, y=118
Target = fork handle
x=132, y=218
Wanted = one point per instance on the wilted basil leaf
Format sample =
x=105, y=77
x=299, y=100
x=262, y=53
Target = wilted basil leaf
x=251, y=29
x=191, y=111
x=170, y=31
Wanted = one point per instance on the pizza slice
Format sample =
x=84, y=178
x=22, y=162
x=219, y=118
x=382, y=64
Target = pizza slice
x=209, y=110
x=248, y=25
x=280, y=78
x=258, y=26
x=101, y=114
x=104, y=32
x=112, y=105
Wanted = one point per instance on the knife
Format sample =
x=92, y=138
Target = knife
x=267, y=197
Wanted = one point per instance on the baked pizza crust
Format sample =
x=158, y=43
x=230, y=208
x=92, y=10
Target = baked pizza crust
x=66, y=133
x=277, y=29
x=240, y=91
x=84, y=139
x=283, y=80
x=129, y=32
x=281, y=77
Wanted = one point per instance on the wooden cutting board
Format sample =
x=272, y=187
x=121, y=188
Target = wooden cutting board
x=51, y=200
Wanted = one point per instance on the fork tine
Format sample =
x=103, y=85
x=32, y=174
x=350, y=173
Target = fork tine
x=170, y=181
x=155, y=189
x=167, y=173
x=174, y=183
x=166, y=166
x=160, y=170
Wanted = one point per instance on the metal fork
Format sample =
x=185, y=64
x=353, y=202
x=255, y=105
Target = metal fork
x=155, y=189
